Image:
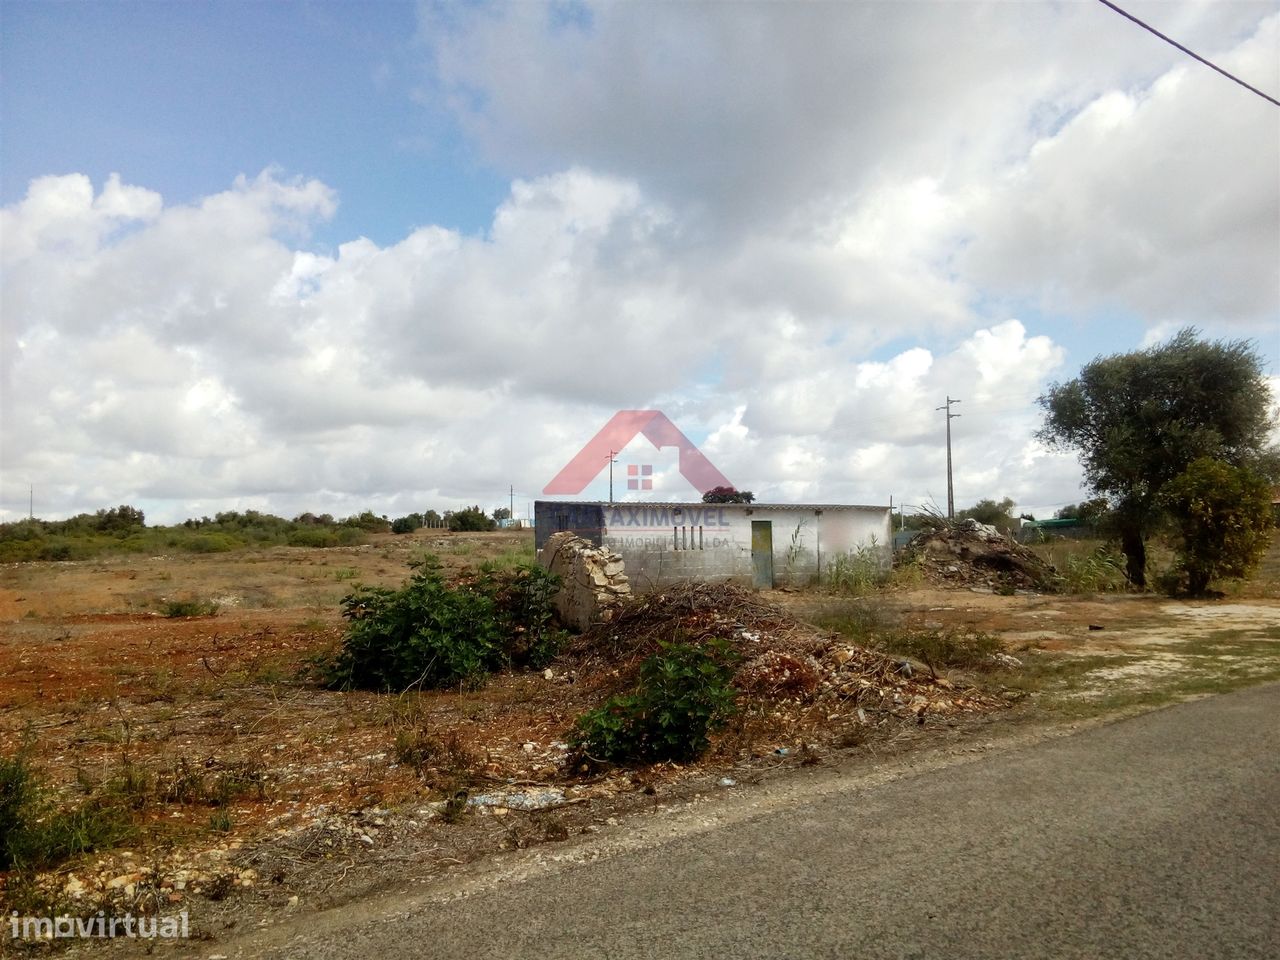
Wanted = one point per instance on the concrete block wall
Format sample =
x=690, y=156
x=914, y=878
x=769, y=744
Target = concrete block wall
x=664, y=542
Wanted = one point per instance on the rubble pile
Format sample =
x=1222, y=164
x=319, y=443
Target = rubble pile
x=592, y=579
x=974, y=554
x=779, y=658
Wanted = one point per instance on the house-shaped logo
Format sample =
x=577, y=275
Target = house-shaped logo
x=622, y=428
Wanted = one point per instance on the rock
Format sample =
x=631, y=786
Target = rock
x=592, y=579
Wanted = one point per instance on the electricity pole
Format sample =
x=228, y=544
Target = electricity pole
x=951, y=491
x=611, y=463
x=511, y=510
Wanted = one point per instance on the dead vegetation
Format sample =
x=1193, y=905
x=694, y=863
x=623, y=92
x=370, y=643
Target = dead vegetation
x=785, y=667
x=968, y=553
x=243, y=781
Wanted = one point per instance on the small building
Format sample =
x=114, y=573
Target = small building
x=760, y=544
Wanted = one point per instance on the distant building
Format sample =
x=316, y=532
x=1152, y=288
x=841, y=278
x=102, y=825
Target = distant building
x=760, y=544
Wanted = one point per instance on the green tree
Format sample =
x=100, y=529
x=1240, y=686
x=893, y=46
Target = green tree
x=406, y=524
x=1140, y=419
x=1089, y=512
x=502, y=513
x=1223, y=514
x=727, y=495
x=998, y=515
x=470, y=519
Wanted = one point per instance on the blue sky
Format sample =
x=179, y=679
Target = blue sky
x=182, y=97
x=338, y=256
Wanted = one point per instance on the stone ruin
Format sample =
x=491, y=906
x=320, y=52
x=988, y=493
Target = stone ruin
x=592, y=581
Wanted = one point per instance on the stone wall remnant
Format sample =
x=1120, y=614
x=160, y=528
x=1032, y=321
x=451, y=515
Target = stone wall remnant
x=593, y=581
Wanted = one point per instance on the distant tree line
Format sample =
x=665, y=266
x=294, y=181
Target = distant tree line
x=124, y=529
x=470, y=519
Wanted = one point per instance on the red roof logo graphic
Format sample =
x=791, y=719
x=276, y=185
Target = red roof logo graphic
x=622, y=428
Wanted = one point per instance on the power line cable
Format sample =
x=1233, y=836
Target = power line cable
x=1191, y=53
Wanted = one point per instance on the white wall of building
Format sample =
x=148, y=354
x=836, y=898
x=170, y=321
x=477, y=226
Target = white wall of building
x=664, y=542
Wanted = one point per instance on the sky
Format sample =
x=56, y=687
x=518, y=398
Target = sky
x=330, y=257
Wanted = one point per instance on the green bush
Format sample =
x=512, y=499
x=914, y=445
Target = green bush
x=210, y=543
x=18, y=800
x=189, y=608
x=314, y=537
x=1223, y=514
x=34, y=834
x=407, y=524
x=433, y=634
x=684, y=694
x=524, y=596
x=368, y=521
x=472, y=519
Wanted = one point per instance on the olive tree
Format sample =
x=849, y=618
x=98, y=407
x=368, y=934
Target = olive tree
x=1139, y=419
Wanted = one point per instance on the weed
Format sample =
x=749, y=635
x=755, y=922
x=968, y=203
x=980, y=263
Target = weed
x=859, y=620
x=683, y=695
x=35, y=834
x=189, y=608
x=857, y=571
x=346, y=573
x=236, y=781
x=794, y=550
x=1096, y=572
x=221, y=821
x=132, y=786
x=950, y=647
x=183, y=784
x=19, y=795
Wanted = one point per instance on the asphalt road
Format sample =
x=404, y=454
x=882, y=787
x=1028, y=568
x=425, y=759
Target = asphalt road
x=1157, y=836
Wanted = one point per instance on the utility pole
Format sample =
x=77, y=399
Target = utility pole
x=511, y=510
x=951, y=490
x=31, y=502
x=611, y=463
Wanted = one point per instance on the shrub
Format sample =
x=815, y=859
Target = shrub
x=18, y=799
x=472, y=519
x=33, y=834
x=210, y=543
x=684, y=694
x=1223, y=514
x=525, y=597
x=431, y=634
x=368, y=521
x=189, y=608
x=407, y=524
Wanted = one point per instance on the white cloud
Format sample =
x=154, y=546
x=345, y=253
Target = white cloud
x=792, y=227
x=1164, y=201
x=170, y=365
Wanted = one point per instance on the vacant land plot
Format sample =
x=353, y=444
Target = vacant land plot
x=182, y=686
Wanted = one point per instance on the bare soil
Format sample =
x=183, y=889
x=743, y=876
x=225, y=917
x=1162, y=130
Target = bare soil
x=96, y=679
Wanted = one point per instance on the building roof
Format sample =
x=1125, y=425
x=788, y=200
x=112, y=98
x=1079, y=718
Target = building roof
x=698, y=503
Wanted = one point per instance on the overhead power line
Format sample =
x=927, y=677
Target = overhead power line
x=1191, y=53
